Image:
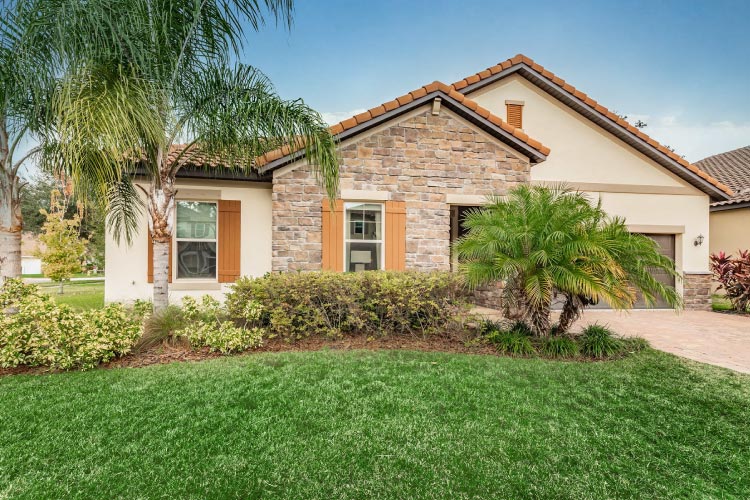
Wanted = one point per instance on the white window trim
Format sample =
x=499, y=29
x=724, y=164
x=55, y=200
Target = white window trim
x=349, y=204
x=176, y=240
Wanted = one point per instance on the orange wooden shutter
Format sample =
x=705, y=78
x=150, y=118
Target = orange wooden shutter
x=395, y=235
x=515, y=115
x=150, y=271
x=333, y=236
x=230, y=231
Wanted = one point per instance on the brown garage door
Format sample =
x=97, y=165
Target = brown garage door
x=666, y=244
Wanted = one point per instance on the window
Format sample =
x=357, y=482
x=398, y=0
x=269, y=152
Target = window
x=363, y=237
x=196, y=239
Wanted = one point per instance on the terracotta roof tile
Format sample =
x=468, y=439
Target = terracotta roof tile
x=407, y=98
x=522, y=59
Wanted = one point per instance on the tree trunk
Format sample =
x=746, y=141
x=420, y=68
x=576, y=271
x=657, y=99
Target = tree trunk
x=539, y=321
x=11, y=224
x=161, y=222
x=62, y=284
x=571, y=311
x=161, y=275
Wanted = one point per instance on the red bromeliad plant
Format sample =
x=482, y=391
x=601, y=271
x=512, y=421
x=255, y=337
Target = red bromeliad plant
x=733, y=276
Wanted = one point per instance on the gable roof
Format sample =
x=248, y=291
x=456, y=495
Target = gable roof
x=588, y=107
x=733, y=169
x=456, y=101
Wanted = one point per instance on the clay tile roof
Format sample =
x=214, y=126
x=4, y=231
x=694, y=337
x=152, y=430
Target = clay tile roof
x=405, y=99
x=522, y=59
x=733, y=169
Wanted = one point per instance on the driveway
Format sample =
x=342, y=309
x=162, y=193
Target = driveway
x=709, y=337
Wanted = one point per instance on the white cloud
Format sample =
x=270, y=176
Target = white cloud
x=695, y=140
x=333, y=117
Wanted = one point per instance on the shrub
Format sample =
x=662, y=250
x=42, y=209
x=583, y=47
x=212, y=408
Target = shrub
x=733, y=276
x=40, y=332
x=547, y=242
x=160, y=326
x=297, y=305
x=522, y=328
x=512, y=342
x=206, y=324
x=597, y=341
x=559, y=347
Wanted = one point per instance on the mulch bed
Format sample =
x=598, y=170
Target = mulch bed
x=164, y=354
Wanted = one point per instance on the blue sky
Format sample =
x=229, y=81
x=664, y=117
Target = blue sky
x=681, y=66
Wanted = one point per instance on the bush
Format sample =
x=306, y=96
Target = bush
x=206, y=324
x=39, y=332
x=598, y=342
x=512, y=342
x=297, y=305
x=559, y=347
x=733, y=276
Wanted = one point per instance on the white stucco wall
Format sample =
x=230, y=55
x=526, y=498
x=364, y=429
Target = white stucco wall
x=591, y=159
x=126, y=265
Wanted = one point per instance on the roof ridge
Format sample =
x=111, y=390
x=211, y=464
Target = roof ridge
x=405, y=99
x=522, y=59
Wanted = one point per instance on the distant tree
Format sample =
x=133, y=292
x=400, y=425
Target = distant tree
x=36, y=194
x=63, y=248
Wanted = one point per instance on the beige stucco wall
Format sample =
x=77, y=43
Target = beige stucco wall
x=590, y=159
x=126, y=265
x=730, y=230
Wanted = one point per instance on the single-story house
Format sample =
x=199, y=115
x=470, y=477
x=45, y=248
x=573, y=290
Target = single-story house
x=730, y=219
x=409, y=169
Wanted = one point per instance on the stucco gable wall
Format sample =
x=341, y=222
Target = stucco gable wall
x=581, y=151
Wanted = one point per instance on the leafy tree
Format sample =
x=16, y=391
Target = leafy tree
x=62, y=247
x=36, y=195
x=149, y=87
x=545, y=243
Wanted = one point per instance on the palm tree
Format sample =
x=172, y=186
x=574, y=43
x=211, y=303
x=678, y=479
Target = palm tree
x=24, y=88
x=151, y=88
x=546, y=242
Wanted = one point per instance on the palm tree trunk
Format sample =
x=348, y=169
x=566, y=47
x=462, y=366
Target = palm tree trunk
x=11, y=224
x=161, y=222
x=571, y=311
x=538, y=318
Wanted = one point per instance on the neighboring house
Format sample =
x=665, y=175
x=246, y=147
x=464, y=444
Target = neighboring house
x=409, y=169
x=30, y=263
x=730, y=219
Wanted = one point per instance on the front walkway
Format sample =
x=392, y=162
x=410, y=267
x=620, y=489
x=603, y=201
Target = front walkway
x=709, y=337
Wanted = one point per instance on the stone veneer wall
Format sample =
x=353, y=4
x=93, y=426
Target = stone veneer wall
x=419, y=160
x=697, y=291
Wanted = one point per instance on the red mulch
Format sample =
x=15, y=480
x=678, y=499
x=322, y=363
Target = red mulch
x=164, y=354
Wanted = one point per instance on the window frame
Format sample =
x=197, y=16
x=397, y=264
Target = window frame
x=382, y=240
x=176, y=240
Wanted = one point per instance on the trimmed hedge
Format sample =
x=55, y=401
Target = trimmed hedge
x=298, y=305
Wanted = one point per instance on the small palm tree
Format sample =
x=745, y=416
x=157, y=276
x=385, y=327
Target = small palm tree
x=548, y=242
x=148, y=87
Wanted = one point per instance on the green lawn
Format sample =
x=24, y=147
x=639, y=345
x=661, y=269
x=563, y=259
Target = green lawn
x=78, y=294
x=389, y=424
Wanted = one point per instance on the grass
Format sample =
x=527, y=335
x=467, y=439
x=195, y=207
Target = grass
x=78, y=294
x=388, y=424
x=720, y=303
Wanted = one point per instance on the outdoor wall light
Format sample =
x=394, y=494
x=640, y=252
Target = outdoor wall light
x=698, y=240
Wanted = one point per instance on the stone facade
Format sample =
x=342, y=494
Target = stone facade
x=420, y=160
x=697, y=291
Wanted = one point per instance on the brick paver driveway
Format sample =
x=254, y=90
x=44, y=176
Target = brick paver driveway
x=709, y=337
